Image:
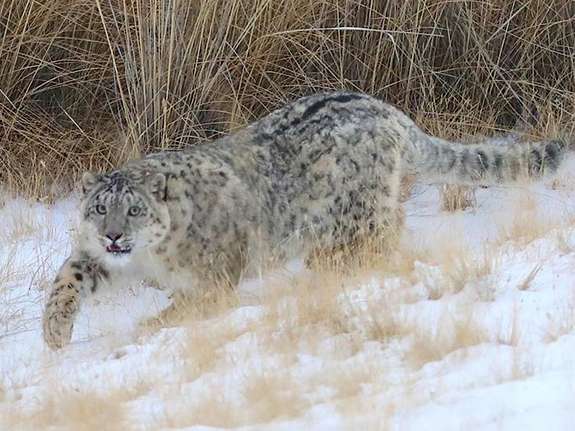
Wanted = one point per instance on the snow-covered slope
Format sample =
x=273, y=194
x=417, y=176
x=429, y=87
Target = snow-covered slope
x=470, y=326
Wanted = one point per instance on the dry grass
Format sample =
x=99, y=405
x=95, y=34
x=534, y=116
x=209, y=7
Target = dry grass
x=452, y=333
x=8, y=268
x=86, y=85
x=201, y=351
x=457, y=198
x=526, y=283
x=18, y=224
x=526, y=224
x=71, y=409
x=561, y=323
x=212, y=410
x=274, y=396
x=461, y=267
x=522, y=367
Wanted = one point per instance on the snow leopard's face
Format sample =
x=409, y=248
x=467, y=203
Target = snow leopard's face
x=124, y=213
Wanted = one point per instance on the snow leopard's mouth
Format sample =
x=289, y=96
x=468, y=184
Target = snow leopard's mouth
x=115, y=249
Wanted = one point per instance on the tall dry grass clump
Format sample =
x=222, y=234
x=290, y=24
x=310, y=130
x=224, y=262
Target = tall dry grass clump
x=87, y=84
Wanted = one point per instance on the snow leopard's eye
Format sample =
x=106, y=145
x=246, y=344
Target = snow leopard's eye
x=134, y=211
x=101, y=209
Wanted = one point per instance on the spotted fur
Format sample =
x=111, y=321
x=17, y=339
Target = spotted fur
x=318, y=174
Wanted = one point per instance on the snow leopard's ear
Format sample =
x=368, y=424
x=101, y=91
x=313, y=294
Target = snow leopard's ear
x=89, y=180
x=158, y=186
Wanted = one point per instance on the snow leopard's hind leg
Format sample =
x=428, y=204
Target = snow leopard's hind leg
x=357, y=244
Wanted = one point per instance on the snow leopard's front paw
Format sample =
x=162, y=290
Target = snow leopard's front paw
x=58, y=319
x=57, y=329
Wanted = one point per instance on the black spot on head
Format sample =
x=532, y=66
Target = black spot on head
x=78, y=276
x=117, y=182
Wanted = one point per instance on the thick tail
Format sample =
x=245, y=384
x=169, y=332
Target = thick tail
x=439, y=160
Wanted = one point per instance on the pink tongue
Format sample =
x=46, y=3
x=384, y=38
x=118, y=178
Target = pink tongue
x=114, y=247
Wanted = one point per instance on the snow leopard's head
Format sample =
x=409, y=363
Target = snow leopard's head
x=124, y=212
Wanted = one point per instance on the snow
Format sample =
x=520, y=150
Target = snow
x=478, y=333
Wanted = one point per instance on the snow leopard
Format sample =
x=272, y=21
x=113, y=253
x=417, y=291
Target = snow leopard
x=318, y=174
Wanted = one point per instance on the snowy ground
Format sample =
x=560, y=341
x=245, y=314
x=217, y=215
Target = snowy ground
x=471, y=326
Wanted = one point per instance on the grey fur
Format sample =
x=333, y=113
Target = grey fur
x=319, y=173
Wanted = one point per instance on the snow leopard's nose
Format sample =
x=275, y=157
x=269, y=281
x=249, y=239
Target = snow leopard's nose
x=113, y=236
